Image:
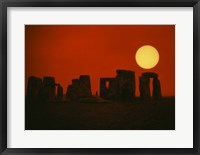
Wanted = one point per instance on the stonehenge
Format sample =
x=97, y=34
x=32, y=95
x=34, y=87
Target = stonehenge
x=34, y=88
x=43, y=90
x=108, y=88
x=144, y=86
x=126, y=85
x=121, y=88
x=49, y=88
x=80, y=88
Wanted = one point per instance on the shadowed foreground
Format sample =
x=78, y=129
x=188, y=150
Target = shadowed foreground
x=140, y=115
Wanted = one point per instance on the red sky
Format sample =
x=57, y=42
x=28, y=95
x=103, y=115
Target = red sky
x=67, y=51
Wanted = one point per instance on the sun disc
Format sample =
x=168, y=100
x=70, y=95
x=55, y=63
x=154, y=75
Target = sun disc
x=147, y=57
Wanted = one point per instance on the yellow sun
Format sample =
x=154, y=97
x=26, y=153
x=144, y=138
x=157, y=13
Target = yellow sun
x=147, y=57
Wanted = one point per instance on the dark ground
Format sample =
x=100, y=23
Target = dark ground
x=139, y=115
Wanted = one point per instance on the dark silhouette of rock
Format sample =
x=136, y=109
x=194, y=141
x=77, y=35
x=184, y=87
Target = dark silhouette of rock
x=70, y=92
x=144, y=86
x=43, y=90
x=121, y=88
x=34, y=88
x=49, y=88
x=85, y=80
x=156, y=89
x=80, y=88
x=108, y=91
x=150, y=75
x=125, y=85
x=84, y=86
x=59, y=92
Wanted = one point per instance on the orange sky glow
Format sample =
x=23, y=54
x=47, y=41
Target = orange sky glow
x=68, y=51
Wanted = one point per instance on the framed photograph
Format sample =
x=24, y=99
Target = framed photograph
x=109, y=77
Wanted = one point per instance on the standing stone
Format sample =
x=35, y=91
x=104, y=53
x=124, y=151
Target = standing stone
x=121, y=88
x=141, y=87
x=84, y=86
x=80, y=88
x=103, y=88
x=156, y=89
x=144, y=87
x=125, y=85
x=59, y=92
x=70, y=92
x=73, y=90
x=49, y=88
x=34, y=89
x=85, y=80
x=110, y=91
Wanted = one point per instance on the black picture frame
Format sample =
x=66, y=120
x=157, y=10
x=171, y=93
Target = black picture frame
x=4, y=4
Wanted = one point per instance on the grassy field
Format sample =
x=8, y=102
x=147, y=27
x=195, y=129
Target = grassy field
x=139, y=115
